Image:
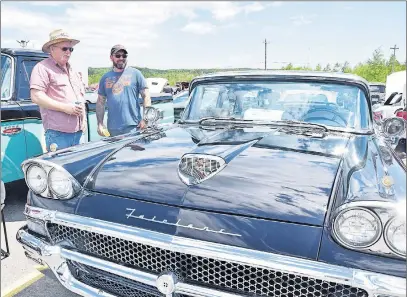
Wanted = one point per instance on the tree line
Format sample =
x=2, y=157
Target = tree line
x=374, y=69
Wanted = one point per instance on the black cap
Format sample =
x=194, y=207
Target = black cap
x=116, y=48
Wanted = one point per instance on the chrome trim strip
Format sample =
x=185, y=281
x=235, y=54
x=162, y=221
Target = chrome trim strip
x=374, y=283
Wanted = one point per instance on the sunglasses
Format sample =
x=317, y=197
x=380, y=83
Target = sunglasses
x=64, y=49
x=121, y=55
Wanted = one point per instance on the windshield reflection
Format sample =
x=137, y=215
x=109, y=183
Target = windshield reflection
x=333, y=105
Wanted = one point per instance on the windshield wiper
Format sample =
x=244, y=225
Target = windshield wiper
x=298, y=123
x=286, y=123
x=214, y=119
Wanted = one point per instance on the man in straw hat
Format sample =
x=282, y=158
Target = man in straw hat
x=59, y=92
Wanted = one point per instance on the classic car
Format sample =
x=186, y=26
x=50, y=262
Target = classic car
x=22, y=133
x=378, y=92
x=303, y=200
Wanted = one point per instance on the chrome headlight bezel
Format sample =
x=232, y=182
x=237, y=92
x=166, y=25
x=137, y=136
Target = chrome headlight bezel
x=28, y=180
x=152, y=115
x=385, y=211
x=386, y=235
x=48, y=168
x=343, y=242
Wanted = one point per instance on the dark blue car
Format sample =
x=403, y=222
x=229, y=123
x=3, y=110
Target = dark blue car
x=270, y=184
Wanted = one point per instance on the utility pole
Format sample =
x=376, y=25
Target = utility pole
x=265, y=54
x=23, y=43
x=394, y=56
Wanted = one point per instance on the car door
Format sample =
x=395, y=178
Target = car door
x=33, y=128
x=13, y=148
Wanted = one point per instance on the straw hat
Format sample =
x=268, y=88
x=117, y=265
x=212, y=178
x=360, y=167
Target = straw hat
x=58, y=36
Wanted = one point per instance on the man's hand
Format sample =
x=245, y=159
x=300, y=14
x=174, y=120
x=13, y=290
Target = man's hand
x=101, y=129
x=73, y=109
x=142, y=124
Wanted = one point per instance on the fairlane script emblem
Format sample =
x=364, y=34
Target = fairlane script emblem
x=131, y=214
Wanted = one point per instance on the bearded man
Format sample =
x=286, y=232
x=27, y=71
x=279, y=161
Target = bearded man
x=121, y=88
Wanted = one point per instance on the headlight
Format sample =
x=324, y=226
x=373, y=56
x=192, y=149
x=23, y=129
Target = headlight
x=395, y=236
x=394, y=127
x=36, y=179
x=59, y=183
x=50, y=180
x=357, y=228
x=152, y=114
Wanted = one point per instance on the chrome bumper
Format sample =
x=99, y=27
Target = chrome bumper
x=375, y=284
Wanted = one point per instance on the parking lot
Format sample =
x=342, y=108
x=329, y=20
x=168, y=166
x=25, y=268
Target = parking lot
x=20, y=276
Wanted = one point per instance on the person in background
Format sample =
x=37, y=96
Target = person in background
x=121, y=88
x=59, y=92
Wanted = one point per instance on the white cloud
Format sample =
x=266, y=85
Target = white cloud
x=254, y=7
x=99, y=25
x=302, y=20
x=276, y=3
x=199, y=28
x=47, y=3
x=224, y=11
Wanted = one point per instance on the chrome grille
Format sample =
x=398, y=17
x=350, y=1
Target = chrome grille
x=216, y=274
x=111, y=283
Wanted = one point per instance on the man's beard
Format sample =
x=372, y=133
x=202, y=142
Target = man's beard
x=121, y=65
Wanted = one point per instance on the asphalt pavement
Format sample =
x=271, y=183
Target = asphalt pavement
x=20, y=276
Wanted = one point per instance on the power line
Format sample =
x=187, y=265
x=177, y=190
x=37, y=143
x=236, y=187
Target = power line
x=394, y=56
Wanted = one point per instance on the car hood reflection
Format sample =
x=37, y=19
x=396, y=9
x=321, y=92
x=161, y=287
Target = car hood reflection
x=269, y=174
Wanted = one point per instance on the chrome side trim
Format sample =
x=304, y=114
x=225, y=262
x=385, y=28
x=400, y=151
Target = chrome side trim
x=373, y=283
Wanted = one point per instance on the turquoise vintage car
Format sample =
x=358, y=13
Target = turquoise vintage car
x=22, y=133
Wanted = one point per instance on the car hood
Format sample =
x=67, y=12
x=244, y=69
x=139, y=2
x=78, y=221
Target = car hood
x=272, y=175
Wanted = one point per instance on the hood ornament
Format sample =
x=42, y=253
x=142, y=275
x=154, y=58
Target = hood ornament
x=131, y=214
x=196, y=168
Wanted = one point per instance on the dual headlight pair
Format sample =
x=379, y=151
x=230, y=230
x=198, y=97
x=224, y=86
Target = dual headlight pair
x=49, y=180
x=360, y=228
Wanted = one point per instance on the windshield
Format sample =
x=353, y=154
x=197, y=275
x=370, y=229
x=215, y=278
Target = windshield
x=377, y=89
x=6, y=81
x=335, y=105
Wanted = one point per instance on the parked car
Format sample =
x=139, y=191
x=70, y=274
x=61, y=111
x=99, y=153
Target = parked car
x=180, y=101
x=378, y=92
x=22, y=133
x=159, y=85
x=303, y=200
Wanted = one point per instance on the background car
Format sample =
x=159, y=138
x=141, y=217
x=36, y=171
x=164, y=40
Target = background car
x=378, y=92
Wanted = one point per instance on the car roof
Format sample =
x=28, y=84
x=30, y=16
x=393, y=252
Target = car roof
x=283, y=73
x=24, y=52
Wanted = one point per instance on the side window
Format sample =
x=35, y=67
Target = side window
x=24, y=74
x=6, y=77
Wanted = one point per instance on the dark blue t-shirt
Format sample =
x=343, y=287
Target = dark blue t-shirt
x=122, y=90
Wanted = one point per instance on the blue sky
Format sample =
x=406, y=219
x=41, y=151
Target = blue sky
x=213, y=34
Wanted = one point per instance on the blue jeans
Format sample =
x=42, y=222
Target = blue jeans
x=60, y=140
